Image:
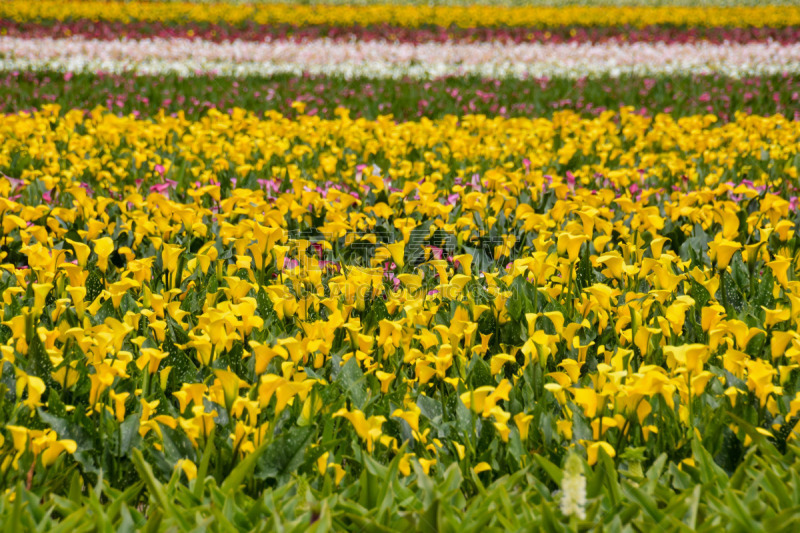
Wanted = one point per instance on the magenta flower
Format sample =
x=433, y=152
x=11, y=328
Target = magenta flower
x=160, y=188
x=86, y=187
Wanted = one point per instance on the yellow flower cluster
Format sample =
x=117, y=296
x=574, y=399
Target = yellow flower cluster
x=403, y=15
x=611, y=150
x=597, y=281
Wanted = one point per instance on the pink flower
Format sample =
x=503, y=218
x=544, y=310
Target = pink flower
x=270, y=185
x=475, y=182
x=329, y=265
x=570, y=179
x=160, y=188
x=16, y=183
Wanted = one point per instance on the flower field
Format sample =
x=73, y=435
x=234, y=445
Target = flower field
x=454, y=267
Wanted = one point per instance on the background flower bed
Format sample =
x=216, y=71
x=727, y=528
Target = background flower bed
x=404, y=15
x=247, y=31
x=403, y=99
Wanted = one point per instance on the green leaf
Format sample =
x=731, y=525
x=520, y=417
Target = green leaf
x=156, y=489
x=39, y=363
x=731, y=293
x=740, y=274
x=787, y=520
x=176, y=445
x=480, y=373
x=67, y=429
x=430, y=408
x=584, y=275
x=644, y=501
x=739, y=513
x=284, y=454
x=106, y=310
x=758, y=439
x=610, y=471
x=756, y=345
x=183, y=369
x=699, y=294
x=204, y=462
x=352, y=381
x=711, y=473
x=555, y=473
x=763, y=292
x=776, y=485
x=129, y=434
x=94, y=285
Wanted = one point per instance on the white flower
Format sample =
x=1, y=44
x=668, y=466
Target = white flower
x=395, y=60
x=573, y=488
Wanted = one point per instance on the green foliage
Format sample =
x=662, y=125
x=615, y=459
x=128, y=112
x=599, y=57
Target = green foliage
x=150, y=95
x=763, y=494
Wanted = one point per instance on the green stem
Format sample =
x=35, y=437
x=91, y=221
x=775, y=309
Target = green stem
x=722, y=290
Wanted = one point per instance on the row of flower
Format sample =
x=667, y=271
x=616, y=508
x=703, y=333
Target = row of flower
x=404, y=99
x=401, y=15
x=506, y=3
x=382, y=59
x=219, y=32
x=255, y=299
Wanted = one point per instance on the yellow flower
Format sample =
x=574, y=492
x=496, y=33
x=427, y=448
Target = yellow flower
x=523, y=422
x=570, y=245
x=721, y=251
x=20, y=437
x=82, y=252
x=779, y=269
x=119, y=404
x=230, y=384
x=614, y=265
x=411, y=416
x=368, y=429
x=151, y=358
x=689, y=356
x=103, y=248
x=170, y=253
x=482, y=467
x=594, y=448
x=775, y=316
x=101, y=380
x=35, y=387
x=397, y=251
x=410, y=15
x=188, y=467
x=499, y=361
x=386, y=379
x=40, y=292
x=52, y=452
